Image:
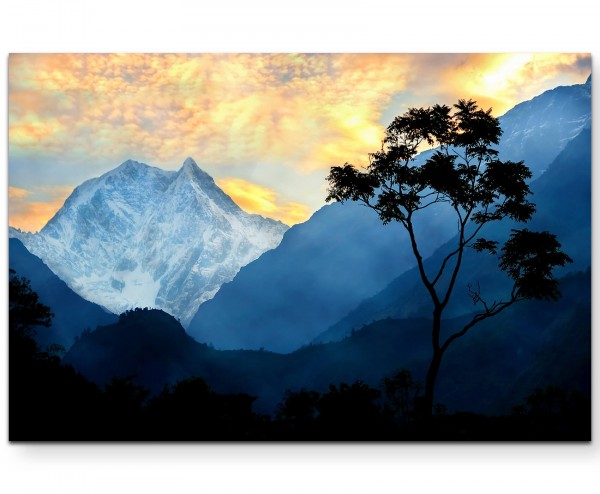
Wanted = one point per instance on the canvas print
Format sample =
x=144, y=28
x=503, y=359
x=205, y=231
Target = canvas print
x=299, y=247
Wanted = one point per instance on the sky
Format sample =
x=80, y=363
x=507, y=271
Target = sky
x=266, y=127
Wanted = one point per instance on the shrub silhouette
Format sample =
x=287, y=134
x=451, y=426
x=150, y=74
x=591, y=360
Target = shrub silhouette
x=401, y=392
x=191, y=410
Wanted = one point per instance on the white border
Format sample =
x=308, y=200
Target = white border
x=308, y=26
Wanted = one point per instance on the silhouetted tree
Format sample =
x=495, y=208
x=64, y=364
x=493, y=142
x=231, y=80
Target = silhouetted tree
x=551, y=413
x=401, y=392
x=350, y=412
x=47, y=400
x=123, y=402
x=191, y=410
x=297, y=414
x=25, y=315
x=465, y=174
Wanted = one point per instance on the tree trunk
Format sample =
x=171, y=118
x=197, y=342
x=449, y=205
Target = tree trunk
x=424, y=407
x=434, y=367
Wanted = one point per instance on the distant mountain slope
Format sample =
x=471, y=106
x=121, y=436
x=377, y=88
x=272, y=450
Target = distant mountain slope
x=563, y=200
x=325, y=267
x=532, y=345
x=139, y=236
x=72, y=314
x=321, y=269
x=488, y=371
x=537, y=130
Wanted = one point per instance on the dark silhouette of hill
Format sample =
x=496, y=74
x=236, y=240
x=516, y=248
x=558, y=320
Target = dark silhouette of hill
x=149, y=344
x=50, y=401
x=151, y=347
x=537, y=344
x=72, y=314
x=46, y=399
x=563, y=205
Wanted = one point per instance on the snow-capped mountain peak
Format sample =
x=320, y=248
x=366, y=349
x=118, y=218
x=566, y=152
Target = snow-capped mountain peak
x=191, y=169
x=538, y=129
x=140, y=236
x=190, y=164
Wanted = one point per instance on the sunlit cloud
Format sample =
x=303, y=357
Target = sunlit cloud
x=31, y=210
x=16, y=194
x=79, y=115
x=256, y=199
x=500, y=81
x=219, y=108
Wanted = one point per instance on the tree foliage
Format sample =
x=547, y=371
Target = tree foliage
x=401, y=390
x=25, y=312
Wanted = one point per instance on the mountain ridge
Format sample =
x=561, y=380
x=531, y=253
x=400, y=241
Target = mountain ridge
x=510, y=355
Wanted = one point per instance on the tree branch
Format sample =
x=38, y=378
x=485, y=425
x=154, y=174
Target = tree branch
x=419, y=258
x=461, y=248
x=495, y=309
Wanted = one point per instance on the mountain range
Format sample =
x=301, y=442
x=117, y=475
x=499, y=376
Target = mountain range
x=324, y=268
x=139, y=236
x=536, y=130
x=535, y=345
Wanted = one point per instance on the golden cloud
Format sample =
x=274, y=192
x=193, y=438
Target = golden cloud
x=256, y=199
x=14, y=193
x=502, y=80
x=32, y=215
x=221, y=108
x=296, y=111
x=301, y=110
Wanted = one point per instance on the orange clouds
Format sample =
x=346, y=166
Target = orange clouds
x=298, y=113
x=256, y=199
x=32, y=215
x=219, y=108
x=14, y=193
x=502, y=80
x=33, y=133
x=303, y=111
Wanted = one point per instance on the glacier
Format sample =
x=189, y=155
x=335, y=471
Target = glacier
x=140, y=236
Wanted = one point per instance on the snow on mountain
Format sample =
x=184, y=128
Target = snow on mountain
x=538, y=129
x=139, y=236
